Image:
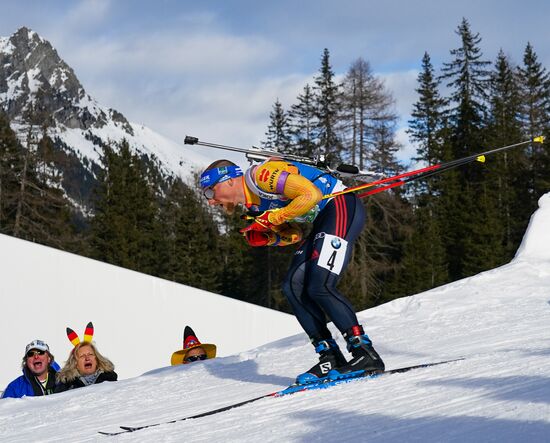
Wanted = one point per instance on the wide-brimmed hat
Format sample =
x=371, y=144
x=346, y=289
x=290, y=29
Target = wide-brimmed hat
x=190, y=341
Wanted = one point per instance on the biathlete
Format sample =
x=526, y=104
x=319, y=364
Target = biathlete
x=282, y=194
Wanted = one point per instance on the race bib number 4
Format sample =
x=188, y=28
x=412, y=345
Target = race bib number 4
x=333, y=253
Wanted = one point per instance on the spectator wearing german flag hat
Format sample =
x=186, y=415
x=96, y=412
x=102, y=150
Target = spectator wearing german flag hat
x=193, y=349
x=85, y=366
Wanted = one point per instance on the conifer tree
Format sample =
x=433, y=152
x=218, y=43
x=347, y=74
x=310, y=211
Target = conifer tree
x=535, y=115
x=383, y=157
x=125, y=225
x=368, y=121
x=425, y=127
x=327, y=94
x=423, y=264
x=509, y=171
x=377, y=251
x=302, y=123
x=278, y=131
x=468, y=77
x=11, y=156
x=190, y=240
x=483, y=245
x=53, y=209
x=241, y=277
x=250, y=274
x=37, y=209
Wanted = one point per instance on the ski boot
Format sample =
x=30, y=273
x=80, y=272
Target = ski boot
x=330, y=357
x=365, y=359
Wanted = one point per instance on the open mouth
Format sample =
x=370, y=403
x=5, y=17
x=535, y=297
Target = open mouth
x=88, y=365
x=37, y=365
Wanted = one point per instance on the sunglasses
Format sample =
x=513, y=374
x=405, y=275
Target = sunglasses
x=196, y=358
x=31, y=354
x=209, y=192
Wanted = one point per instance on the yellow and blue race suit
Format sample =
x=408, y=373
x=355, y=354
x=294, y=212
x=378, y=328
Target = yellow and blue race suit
x=294, y=192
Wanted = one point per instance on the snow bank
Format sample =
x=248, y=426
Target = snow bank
x=498, y=320
x=138, y=319
x=536, y=242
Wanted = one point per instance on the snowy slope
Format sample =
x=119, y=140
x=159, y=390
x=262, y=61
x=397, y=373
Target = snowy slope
x=499, y=320
x=138, y=319
x=175, y=158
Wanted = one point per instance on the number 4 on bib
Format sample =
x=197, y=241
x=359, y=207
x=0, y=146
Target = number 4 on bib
x=333, y=253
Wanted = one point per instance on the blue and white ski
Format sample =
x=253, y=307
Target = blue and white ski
x=328, y=383
x=324, y=384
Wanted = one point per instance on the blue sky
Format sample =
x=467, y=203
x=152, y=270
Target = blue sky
x=214, y=68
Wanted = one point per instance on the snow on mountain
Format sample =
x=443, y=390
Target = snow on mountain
x=34, y=80
x=498, y=320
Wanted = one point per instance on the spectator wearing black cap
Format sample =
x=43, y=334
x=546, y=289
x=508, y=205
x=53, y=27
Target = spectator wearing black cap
x=39, y=369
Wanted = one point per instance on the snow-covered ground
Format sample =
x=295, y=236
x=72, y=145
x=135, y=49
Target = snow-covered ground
x=138, y=319
x=498, y=320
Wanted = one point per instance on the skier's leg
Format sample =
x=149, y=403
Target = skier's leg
x=334, y=235
x=311, y=317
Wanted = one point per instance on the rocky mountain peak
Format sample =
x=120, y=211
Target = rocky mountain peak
x=37, y=86
x=33, y=78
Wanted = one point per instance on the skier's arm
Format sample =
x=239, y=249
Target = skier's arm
x=304, y=195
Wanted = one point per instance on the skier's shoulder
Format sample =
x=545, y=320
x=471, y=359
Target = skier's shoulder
x=273, y=167
x=271, y=175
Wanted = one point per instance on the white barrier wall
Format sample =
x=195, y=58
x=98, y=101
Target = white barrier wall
x=138, y=319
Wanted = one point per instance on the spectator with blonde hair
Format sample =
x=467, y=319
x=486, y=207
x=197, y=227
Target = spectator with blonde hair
x=85, y=366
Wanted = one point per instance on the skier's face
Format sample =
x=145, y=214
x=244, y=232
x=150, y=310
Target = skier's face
x=226, y=195
x=37, y=362
x=86, y=361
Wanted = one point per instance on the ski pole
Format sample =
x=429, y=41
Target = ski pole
x=401, y=179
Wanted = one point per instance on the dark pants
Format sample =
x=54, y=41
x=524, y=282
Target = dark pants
x=310, y=284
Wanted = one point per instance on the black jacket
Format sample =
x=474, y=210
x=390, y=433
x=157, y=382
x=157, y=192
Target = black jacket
x=37, y=387
x=77, y=383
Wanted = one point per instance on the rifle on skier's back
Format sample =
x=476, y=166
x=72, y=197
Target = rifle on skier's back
x=255, y=154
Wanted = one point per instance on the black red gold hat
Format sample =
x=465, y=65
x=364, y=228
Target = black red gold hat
x=88, y=335
x=190, y=341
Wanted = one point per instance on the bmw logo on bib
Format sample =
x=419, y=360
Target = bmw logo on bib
x=333, y=253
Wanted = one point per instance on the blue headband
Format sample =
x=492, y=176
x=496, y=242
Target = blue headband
x=219, y=175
